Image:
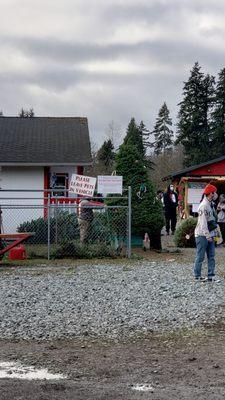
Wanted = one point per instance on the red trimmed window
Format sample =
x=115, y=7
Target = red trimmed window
x=59, y=181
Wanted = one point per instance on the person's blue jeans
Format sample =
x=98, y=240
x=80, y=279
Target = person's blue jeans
x=204, y=246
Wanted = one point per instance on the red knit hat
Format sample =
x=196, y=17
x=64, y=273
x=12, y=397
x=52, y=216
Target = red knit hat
x=209, y=189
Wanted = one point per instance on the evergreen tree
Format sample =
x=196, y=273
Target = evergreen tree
x=147, y=215
x=1, y=113
x=208, y=105
x=26, y=113
x=195, y=108
x=145, y=133
x=105, y=154
x=218, y=117
x=134, y=136
x=162, y=131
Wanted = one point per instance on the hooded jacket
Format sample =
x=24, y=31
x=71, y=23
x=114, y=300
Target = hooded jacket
x=205, y=214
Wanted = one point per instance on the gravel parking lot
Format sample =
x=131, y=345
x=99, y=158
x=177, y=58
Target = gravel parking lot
x=111, y=300
x=114, y=330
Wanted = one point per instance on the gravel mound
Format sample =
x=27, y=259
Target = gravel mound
x=106, y=300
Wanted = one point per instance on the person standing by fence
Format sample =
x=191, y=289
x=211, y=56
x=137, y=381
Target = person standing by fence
x=86, y=216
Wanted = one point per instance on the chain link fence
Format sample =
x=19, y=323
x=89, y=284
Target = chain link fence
x=59, y=232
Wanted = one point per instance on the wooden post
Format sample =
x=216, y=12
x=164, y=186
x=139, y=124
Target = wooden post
x=186, y=208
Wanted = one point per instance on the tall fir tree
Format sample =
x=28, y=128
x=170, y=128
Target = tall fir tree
x=106, y=154
x=147, y=213
x=218, y=117
x=194, y=117
x=147, y=144
x=130, y=162
x=145, y=134
x=134, y=136
x=162, y=131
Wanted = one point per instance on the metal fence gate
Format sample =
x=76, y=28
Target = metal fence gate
x=58, y=230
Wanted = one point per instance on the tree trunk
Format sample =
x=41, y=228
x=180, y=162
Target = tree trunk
x=155, y=241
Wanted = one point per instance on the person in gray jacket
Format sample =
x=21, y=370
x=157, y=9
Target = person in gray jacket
x=204, y=234
x=86, y=216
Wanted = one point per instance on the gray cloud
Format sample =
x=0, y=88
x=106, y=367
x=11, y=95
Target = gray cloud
x=78, y=71
x=178, y=51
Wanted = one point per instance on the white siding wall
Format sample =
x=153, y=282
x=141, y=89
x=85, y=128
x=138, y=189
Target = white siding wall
x=21, y=178
x=24, y=178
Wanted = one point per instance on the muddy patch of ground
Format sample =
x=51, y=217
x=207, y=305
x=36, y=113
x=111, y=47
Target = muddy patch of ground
x=188, y=365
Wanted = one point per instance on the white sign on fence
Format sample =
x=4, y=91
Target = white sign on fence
x=112, y=184
x=83, y=185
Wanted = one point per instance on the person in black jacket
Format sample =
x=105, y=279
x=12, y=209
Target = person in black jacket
x=170, y=206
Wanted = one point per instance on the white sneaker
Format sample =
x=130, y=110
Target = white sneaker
x=213, y=279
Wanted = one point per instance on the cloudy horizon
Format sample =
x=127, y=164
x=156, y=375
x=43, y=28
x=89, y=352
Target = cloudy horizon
x=107, y=60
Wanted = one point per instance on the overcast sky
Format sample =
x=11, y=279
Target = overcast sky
x=105, y=59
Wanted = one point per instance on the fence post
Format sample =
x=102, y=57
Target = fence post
x=1, y=246
x=56, y=221
x=129, y=223
x=49, y=227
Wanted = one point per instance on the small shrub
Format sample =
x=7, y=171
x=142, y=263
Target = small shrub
x=100, y=231
x=184, y=235
x=63, y=226
x=39, y=226
x=74, y=249
x=108, y=224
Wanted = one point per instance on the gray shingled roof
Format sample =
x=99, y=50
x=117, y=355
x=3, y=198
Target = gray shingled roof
x=44, y=141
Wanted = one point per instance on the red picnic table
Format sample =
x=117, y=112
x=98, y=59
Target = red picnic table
x=15, y=238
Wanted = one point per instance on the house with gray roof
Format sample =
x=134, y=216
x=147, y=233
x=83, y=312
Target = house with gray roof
x=40, y=153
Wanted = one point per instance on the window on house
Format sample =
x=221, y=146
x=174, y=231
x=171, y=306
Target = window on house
x=59, y=181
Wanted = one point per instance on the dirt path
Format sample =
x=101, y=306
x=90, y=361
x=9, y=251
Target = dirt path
x=187, y=366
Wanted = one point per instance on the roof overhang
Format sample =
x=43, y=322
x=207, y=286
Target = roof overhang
x=192, y=168
x=42, y=164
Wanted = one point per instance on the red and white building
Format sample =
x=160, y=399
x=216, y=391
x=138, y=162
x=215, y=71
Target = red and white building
x=40, y=153
x=191, y=181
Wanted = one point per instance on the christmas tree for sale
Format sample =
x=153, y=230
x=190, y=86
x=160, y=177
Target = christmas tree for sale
x=147, y=213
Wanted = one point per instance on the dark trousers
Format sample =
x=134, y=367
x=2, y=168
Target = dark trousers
x=222, y=228
x=171, y=221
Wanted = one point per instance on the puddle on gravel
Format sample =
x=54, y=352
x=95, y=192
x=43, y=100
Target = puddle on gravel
x=17, y=371
x=143, y=388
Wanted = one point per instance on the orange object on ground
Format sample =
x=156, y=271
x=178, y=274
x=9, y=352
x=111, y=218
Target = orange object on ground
x=18, y=253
